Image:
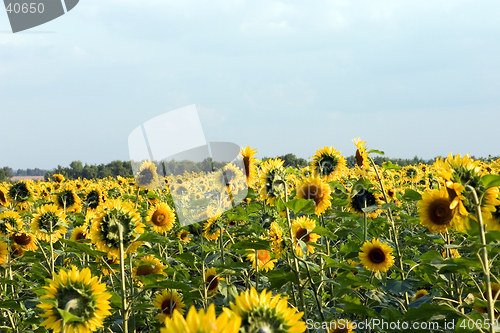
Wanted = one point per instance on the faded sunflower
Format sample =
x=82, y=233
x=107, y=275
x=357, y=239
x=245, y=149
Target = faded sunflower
x=264, y=259
x=435, y=212
x=167, y=302
x=376, y=256
x=201, y=322
x=162, y=217
x=301, y=230
x=248, y=161
x=78, y=293
x=318, y=190
x=328, y=163
x=10, y=221
x=147, y=177
x=265, y=313
x=48, y=221
x=105, y=232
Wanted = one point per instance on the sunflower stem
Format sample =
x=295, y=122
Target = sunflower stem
x=484, y=255
x=122, y=274
x=315, y=291
x=365, y=226
x=257, y=270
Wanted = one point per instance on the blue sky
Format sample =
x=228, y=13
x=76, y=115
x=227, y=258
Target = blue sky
x=411, y=78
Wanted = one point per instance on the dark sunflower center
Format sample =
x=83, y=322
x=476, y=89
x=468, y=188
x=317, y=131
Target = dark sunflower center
x=496, y=213
x=19, y=192
x=212, y=282
x=93, y=199
x=359, y=158
x=80, y=236
x=326, y=165
x=2, y=197
x=168, y=306
x=66, y=199
x=377, y=256
x=145, y=177
x=362, y=200
x=303, y=235
x=184, y=235
x=159, y=218
x=47, y=222
x=246, y=163
x=440, y=212
x=22, y=239
x=312, y=191
x=145, y=270
x=16, y=252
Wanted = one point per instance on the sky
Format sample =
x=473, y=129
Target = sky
x=410, y=78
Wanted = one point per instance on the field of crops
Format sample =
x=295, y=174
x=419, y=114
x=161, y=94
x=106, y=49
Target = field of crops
x=317, y=249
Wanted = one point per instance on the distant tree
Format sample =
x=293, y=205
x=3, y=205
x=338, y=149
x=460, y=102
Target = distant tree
x=90, y=171
x=5, y=174
x=76, y=168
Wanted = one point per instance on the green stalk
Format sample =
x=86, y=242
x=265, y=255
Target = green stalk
x=122, y=274
x=484, y=257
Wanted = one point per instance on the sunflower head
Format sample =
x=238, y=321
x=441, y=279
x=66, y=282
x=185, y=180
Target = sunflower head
x=420, y=293
x=67, y=200
x=148, y=265
x=248, y=162
x=184, y=235
x=10, y=221
x=328, y=163
x=272, y=180
x=58, y=178
x=49, y=223
x=262, y=258
x=79, y=234
x=302, y=228
x=318, y=190
x=26, y=240
x=20, y=193
x=436, y=213
x=201, y=322
x=168, y=302
x=78, y=293
x=147, y=177
x=4, y=201
x=376, y=256
x=161, y=217
x=95, y=198
x=363, y=199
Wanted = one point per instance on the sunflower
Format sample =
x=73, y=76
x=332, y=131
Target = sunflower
x=150, y=265
x=94, y=198
x=162, y=217
x=376, y=256
x=492, y=222
x=67, y=200
x=58, y=178
x=105, y=232
x=361, y=200
x=167, y=302
x=4, y=252
x=361, y=154
x=265, y=313
x=276, y=238
x=248, y=161
x=263, y=258
x=328, y=163
x=420, y=293
x=78, y=293
x=26, y=240
x=10, y=221
x=147, y=177
x=78, y=234
x=340, y=326
x=201, y=322
x=232, y=177
x=212, y=280
x=106, y=267
x=22, y=194
x=49, y=220
x=272, y=180
x=435, y=212
x=16, y=251
x=495, y=293
x=301, y=230
x=184, y=235
x=318, y=190
x=453, y=254
x=4, y=201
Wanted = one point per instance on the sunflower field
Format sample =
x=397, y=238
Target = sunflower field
x=315, y=249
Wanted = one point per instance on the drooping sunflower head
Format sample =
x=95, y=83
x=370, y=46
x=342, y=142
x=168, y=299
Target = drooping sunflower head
x=67, y=200
x=161, y=217
x=272, y=180
x=147, y=177
x=458, y=169
x=376, y=256
x=49, y=223
x=435, y=212
x=78, y=293
x=168, y=302
x=318, y=190
x=361, y=154
x=10, y=221
x=276, y=238
x=116, y=215
x=265, y=313
x=201, y=322
x=58, y=178
x=328, y=163
x=302, y=228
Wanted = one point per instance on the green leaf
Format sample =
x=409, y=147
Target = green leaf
x=256, y=244
x=490, y=181
x=306, y=206
x=153, y=237
x=360, y=309
x=419, y=301
x=398, y=287
x=324, y=232
x=347, y=278
x=238, y=214
x=83, y=248
x=390, y=166
x=116, y=300
x=376, y=151
x=68, y=317
x=412, y=195
x=279, y=277
x=12, y=305
x=429, y=256
x=168, y=285
x=426, y=311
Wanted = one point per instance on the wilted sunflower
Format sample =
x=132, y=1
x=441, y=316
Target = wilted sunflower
x=420, y=293
x=148, y=265
x=26, y=240
x=147, y=177
x=167, y=302
x=10, y=221
x=78, y=293
x=4, y=252
x=264, y=259
x=114, y=215
x=376, y=256
x=318, y=190
x=49, y=220
x=328, y=163
x=184, y=235
x=301, y=230
x=78, y=234
x=272, y=180
x=212, y=280
x=162, y=217
x=201, y=322
x=248, y=161
x=435, y=212
x=67, y=200
x=20, y=193
x=265, y=313
x=340, y=326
